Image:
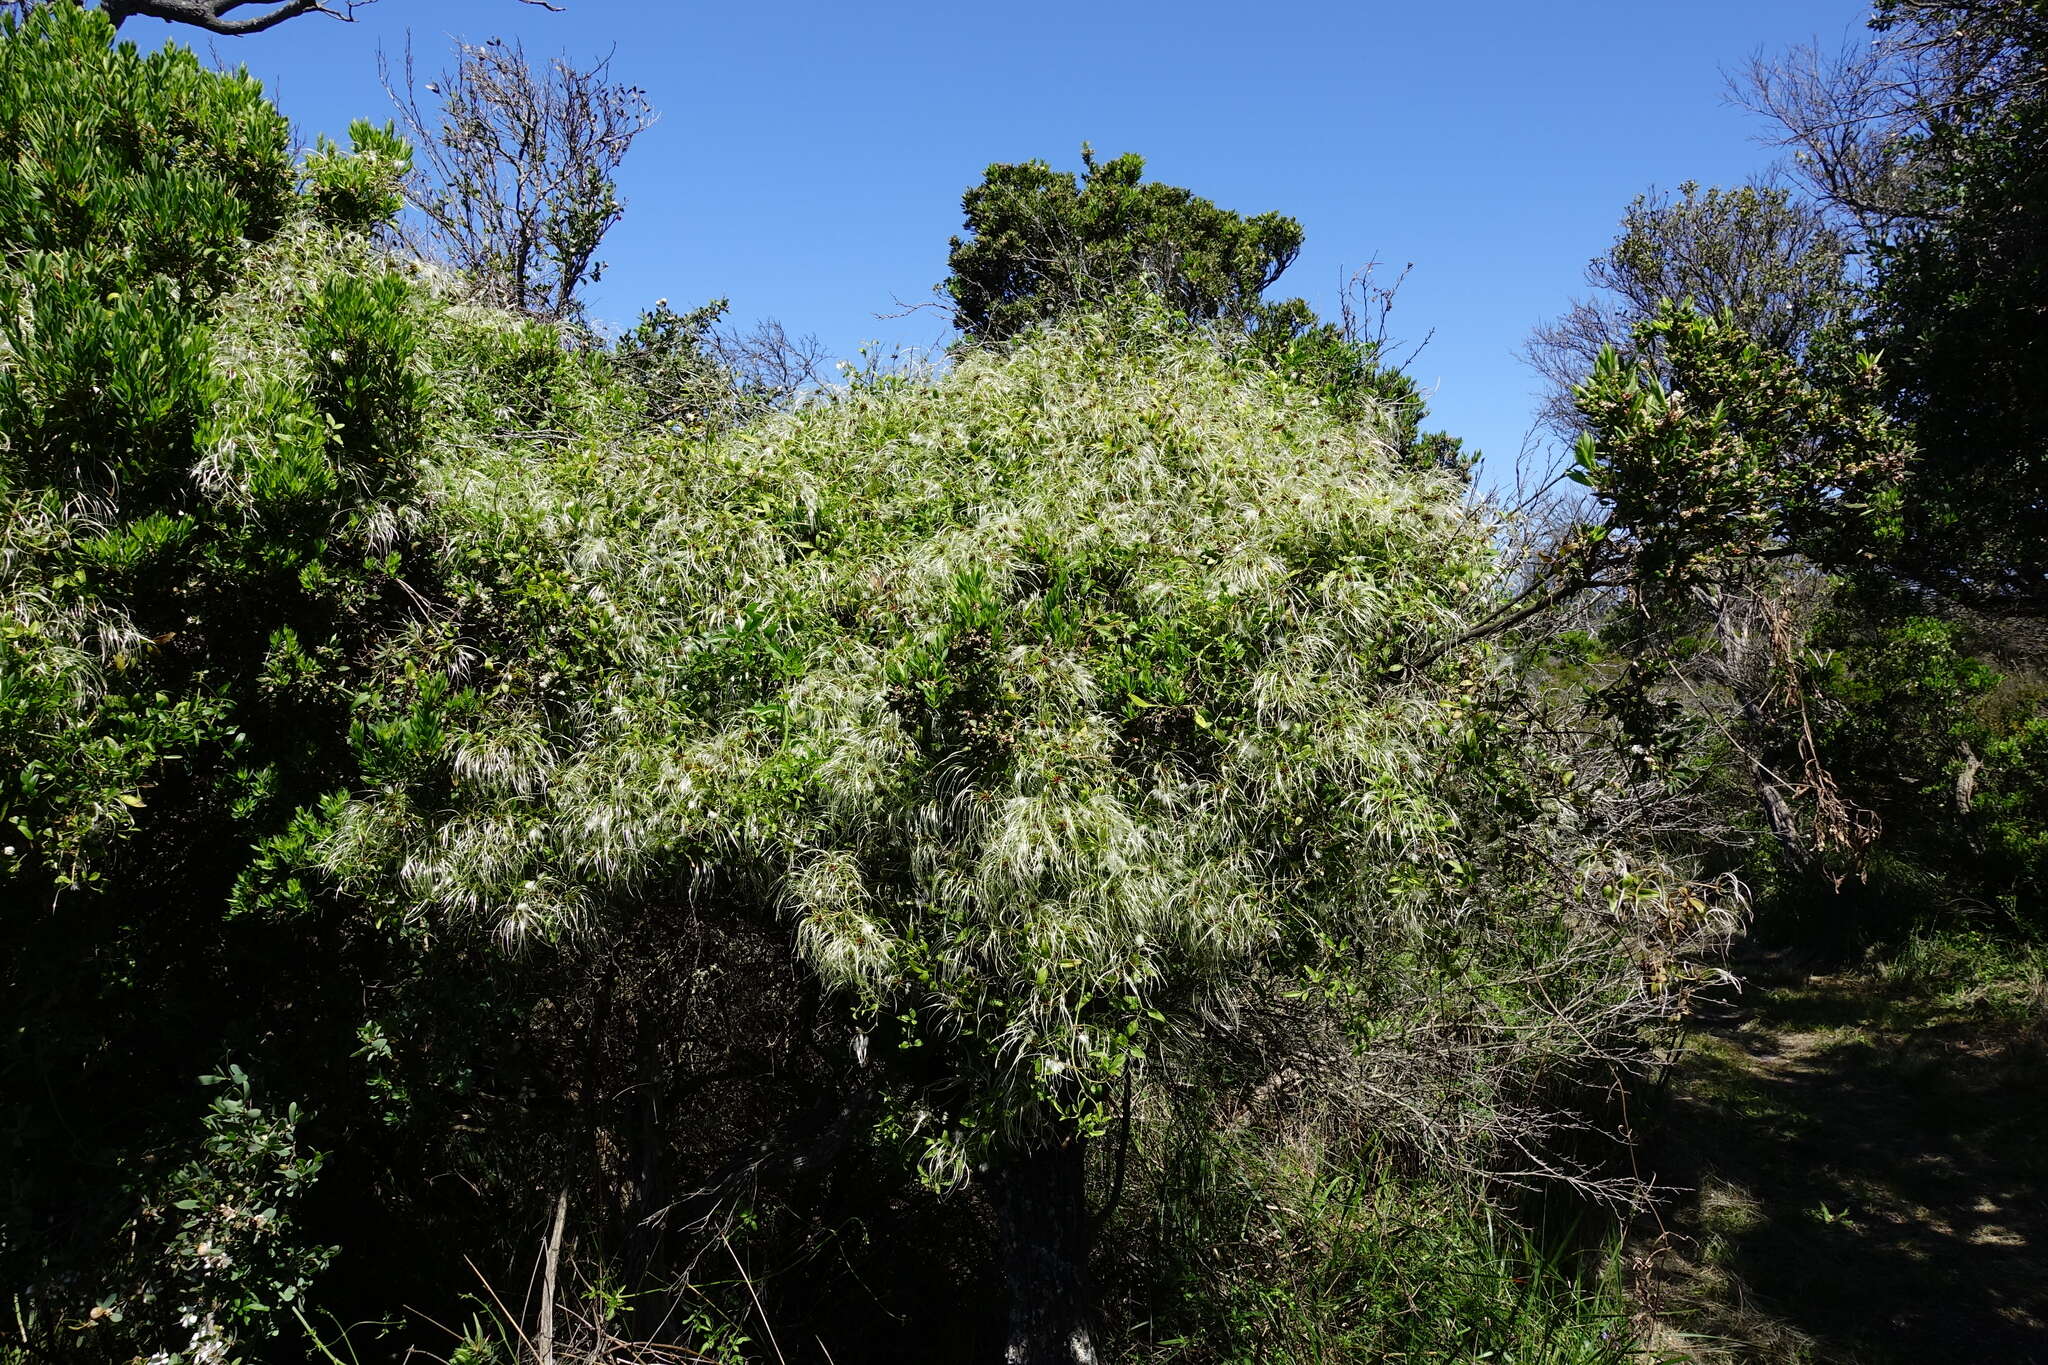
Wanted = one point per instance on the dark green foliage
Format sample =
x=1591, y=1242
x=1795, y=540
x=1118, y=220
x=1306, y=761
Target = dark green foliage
x=109, y=381
x=221, y=622
x=128, y=187
x=1902, y=714
x=1042, y=241
x=1348, y=374
x=1753, y=251
x=668, y=360
x=123, y=166
x=184, y=542
x=1857, y=719
x=1910, y=473
x=136, y=177
x=359, y=190
x=1962, y=285
x=2014, y=805
x=359, y=346
x=1319, y=1255
x=520, y=371
x=216, y=1258
x=1921, y=728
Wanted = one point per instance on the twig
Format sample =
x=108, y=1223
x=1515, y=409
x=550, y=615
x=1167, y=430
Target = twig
x=504, y=1312
x=759, y=1311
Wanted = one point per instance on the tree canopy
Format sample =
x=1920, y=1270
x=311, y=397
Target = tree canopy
x=1962, y=283
x=1925, y=141
x=1773, y=264
x=1824, y=497
x=1042, y=241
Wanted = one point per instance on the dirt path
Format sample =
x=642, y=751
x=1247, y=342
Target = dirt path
x=1868, y=1183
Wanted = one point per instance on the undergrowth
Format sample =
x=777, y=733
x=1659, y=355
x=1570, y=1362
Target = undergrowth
x=1998, y=979
x=1312, y=1256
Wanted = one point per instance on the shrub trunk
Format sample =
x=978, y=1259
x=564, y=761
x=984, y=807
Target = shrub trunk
x=1042, y=1223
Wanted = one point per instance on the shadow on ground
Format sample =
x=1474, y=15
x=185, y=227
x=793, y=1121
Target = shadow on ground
x=1866, y=1180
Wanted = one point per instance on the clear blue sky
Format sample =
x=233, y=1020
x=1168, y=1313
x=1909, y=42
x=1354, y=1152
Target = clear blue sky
x=810, y=158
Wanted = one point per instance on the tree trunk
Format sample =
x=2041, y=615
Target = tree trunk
x=1966, y=780
x=1042, y=1224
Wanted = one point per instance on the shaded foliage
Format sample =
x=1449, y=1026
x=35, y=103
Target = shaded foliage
x=184, y=534
x=1961, y=285
x=1860, y=527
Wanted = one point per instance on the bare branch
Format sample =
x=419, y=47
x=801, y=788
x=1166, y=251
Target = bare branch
x=769, y=363
x=212, y=15
x=1857, y=121
x=516, y=184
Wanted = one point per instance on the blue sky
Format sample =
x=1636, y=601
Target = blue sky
x=810, y=158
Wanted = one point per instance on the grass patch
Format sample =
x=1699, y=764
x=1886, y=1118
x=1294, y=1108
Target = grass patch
x=1967, y=975
x=1304, y=1259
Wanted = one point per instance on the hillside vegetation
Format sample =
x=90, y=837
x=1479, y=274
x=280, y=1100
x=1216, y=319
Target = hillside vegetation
x=524, y=845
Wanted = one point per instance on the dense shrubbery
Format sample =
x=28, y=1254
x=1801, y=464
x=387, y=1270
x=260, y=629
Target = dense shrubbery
x=1043, y=243
x=1059, y=705
x=1104, y=822
x=1816, y=494
x=859, y=839
x=188, y=526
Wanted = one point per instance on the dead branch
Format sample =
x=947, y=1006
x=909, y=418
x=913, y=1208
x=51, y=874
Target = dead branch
x=517, y=183
x=213, y=15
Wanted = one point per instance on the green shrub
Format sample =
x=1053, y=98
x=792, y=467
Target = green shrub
x=1079, y=596
x=210, y=404
x=123, y=166
x=1071, y=709
x=2015, y=811
x=215, y=1262
x=359, y=190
